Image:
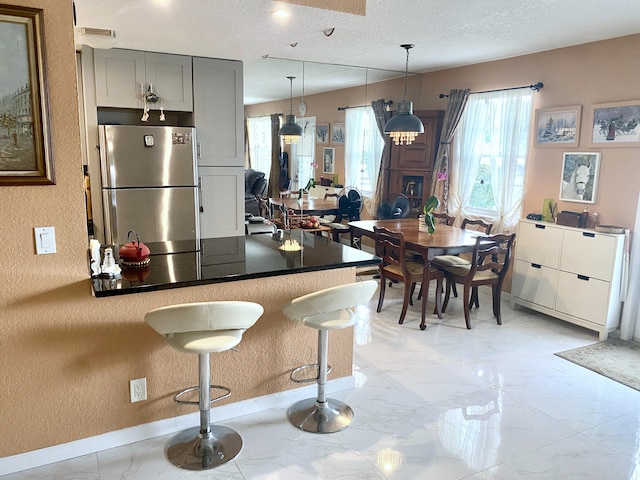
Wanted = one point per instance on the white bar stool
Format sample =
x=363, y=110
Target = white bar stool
x=329, y=309
x=204, y=328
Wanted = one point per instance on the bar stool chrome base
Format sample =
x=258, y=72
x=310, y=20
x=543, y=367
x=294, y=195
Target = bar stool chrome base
x=189, y=450
x=315, y=417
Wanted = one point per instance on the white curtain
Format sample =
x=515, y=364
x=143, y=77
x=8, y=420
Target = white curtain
x=363, y=151
x=259, y=137
x=494, y=130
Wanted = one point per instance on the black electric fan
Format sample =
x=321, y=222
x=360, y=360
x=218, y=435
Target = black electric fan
x=398, y=206
x=350, y=203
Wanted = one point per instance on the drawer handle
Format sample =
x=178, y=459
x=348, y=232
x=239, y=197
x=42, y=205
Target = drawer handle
x=588, y=234
x=535, y=265
x=540, y=226
x=583, y=277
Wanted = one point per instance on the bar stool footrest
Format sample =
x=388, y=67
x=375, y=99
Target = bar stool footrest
x=306, y=367
x=197, y=389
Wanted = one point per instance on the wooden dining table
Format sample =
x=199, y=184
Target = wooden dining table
x=309, y=206
x=445, y=240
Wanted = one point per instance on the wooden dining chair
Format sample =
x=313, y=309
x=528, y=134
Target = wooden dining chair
x=444, y=218
x=479, y=225
x=390, y=247
x=488, y=266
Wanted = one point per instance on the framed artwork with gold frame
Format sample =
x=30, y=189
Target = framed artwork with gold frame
x=25, y=146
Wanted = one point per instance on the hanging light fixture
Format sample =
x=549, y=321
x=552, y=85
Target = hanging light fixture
x=404, y=126
x=290, y=131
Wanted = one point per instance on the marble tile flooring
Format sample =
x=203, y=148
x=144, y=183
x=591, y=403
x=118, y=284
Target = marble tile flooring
x=442, y=404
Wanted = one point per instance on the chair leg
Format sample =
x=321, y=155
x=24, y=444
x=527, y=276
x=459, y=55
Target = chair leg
x=474, y=298
x=446, y=295
x=467, y=295
x=438, y=306
x=413, y=289
x=206, y=446
x=383, y=286
x=405, y=303
x=497, y=290
x=455, y=290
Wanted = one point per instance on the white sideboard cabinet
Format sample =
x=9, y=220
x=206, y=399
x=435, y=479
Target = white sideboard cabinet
x=570, y=273
x=122, y=76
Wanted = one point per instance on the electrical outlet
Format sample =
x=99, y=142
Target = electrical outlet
x=138, y=389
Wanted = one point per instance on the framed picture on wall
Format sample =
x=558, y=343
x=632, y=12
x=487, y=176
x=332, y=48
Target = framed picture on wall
x=24, y=120
x=616, y=124
x=322, y=133
x=337, y=133
x=558, y=126
x=328, y=159
x=579, y=177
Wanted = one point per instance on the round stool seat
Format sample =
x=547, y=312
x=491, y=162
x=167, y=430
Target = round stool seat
x=329, y=321
x=207, y=341
x=204, y=328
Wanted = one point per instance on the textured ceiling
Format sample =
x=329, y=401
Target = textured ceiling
x=445, y=33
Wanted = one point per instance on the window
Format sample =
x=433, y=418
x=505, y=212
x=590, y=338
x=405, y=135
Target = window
x=259, y=133
x=363, y=149
x=303, y=154
x=489, y=157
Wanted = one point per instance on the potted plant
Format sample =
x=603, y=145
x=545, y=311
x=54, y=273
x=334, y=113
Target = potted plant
x=430, y=206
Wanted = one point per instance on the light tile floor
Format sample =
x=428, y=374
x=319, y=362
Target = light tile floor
x=442, y=404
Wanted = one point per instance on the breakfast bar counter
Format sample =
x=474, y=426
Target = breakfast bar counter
x=232, y=259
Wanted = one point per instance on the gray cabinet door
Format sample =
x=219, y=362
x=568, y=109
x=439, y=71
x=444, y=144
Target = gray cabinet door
x=218, y=112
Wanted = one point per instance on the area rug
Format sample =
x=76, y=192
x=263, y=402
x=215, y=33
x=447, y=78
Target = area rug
x=618, y=360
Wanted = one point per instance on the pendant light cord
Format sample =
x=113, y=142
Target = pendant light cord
x=406, y=72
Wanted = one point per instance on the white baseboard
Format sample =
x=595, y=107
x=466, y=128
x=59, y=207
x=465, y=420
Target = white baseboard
x=118, y=438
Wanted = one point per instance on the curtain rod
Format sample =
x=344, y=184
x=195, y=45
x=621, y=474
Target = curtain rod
x=534, y=86
x=387, y=103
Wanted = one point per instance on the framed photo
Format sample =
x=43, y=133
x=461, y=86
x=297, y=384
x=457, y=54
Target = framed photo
x=558, y=127
x=25, y=157
x=616, y=124
x=337, y=133
x=328, y=159
x=322, y=133
x=579, y=177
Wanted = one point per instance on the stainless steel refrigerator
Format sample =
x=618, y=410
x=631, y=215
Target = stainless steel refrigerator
x=149, y=185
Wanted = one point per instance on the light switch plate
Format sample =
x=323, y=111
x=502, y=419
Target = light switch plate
x=45, y=240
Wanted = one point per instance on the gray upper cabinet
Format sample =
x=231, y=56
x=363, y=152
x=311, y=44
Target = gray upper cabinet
x=218, y=112
x=123, y=75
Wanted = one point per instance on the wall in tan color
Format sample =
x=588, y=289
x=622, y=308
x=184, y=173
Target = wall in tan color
x=66, y=356
x=589, y=74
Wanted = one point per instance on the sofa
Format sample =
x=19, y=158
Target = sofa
x=255, y=184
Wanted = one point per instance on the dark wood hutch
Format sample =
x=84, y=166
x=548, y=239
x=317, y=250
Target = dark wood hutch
x=411, y=166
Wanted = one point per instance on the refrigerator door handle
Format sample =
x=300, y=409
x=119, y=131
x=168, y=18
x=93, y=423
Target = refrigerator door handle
x=201, y=208
x=198, y=149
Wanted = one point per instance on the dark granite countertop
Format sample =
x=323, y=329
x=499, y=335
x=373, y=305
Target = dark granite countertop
x=230, y=259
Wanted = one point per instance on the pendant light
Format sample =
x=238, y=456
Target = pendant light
x=290, y=131
x=404, y=126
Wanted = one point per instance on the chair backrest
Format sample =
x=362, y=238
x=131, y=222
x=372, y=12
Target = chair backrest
x=478, y=225
x=331, y=299
x=204, y=316
x=390, y=247
x=444, y=218
x=284, y=194
x=493, y=253
x=331, y=195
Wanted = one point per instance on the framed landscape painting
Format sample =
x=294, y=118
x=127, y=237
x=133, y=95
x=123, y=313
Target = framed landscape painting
x=579, y=177
x=337, y=133
x=322, y=133
x=25, y=152
x=616, y=124
x=558, y=127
